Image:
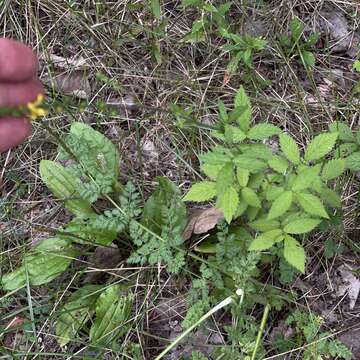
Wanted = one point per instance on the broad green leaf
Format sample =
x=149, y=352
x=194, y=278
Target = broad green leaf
x=294, y=253
x=256, y=151
x=242, y=207
x=65, y=187
x=347, y=149
x=233, y=134
x=156, y=9
x=96, y=156
x=251, y=198
x=353, y=161
x=206, y=247
x=75, y=313
x=212, y=171
x=242, y=101
x=256, y=180
x=202, y=191
x=356, y=65
x=45, y=262
x=296, y=28
x=242, y=176
x=320, y=146
x=344, y=131
x=113, y=310
x=228, y=202
x=301, y=226
x=265, y=225
x=306, y=178
x=249, y=163
x=84, y=231
x=225, y=178
x=217, y=135
x=308, y=58
x=215, y=157
x=273, y=192
x=280, y=205
x=331, y=197
x=252, y=212
x=332, y=169
x=289, y=148
x=279, y=164
x=263, y=131
x=312, y=204
x=265, y=240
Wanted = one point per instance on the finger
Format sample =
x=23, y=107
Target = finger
x=13, y=131
x=14, y=94
x=17, y=61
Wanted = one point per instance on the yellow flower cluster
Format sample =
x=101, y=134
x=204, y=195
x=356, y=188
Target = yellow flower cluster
x=35, y=109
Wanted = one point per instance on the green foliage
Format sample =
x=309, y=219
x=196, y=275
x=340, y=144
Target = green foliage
x=276, y=193
x=296, y=45
x=113, y=310
x=308, y=330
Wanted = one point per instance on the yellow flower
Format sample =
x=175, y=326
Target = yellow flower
x=35, y=109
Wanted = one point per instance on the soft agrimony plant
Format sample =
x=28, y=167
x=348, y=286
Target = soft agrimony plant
x=279, y=194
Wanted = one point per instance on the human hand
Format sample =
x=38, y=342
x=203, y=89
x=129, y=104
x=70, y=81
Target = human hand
x=18, y=86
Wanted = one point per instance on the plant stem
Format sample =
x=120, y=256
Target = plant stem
x=262, y=326
x=219, y=306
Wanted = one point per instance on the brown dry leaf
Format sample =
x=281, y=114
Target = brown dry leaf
x=75, y=84
x=75, y=63
x=202, y=221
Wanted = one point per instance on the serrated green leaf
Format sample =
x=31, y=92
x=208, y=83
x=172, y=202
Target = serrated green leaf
x=225, y=178
x=202, y=191
x=279, y=164
x=301, y=226
x=294, y=253
x=65, y=187
x=242, y=176
x=265, y=240
x=265, y=225
x=233, y=134
x=344, y=131
x=249, y=163
x=75, y=313
x=263, y=131
x=242, y=207
x=320, y=146
x=273, y=192
x=215, y=157
x=289, y=148
x=252, y=212
x=242, y=101
x=353, y=161
x=312, y=204
x=331, y=197
x=211, y=171
x=333, y=169
x=222, y=111
x=113, y=310
x=347, y=149
x=256, y=151
x=251, y=198
x=228, y=202
x=306, y=178
x=280, y=205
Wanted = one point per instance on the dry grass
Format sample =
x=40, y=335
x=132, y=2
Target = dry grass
x=133, y=108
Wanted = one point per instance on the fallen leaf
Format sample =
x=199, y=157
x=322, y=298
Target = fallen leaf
x=75, y=84
x=350, y=284
x=74, y=63
x=202, y=221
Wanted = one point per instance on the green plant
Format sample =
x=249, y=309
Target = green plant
x=276, y=195
x=295, y=44
x=154, y=234
x=307, y=330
